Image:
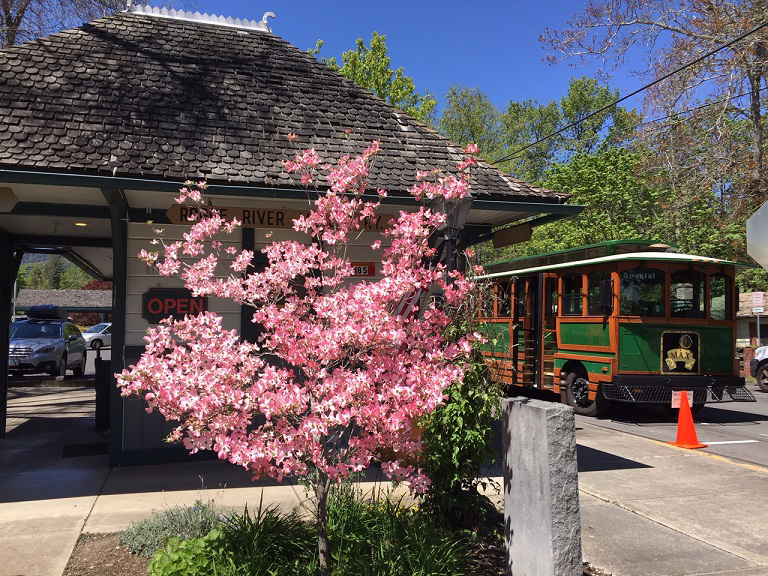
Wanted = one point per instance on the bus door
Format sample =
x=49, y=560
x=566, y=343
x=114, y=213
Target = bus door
x=547, y=330
x=528, y=316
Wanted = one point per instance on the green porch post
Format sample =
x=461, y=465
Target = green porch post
x=118, y=209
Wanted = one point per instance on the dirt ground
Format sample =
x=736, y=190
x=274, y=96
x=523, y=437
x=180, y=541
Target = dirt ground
x=100, y=555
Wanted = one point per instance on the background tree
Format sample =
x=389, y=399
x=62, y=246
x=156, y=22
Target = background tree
x=25, y=20
x=469, y=117
x=370, y=67
x=672, y=33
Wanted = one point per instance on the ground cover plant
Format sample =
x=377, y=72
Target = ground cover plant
x=182, y=522
x=366, y=537
x=343, y=370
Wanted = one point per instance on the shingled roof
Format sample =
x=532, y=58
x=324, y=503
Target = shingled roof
x=159, y=98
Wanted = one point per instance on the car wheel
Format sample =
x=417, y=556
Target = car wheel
x=61, y=369
x=96, y=344
x=762, y=377
x=80, y=370
x=577, y=395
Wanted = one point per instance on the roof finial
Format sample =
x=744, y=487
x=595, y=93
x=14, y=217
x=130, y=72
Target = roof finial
x=128, y=5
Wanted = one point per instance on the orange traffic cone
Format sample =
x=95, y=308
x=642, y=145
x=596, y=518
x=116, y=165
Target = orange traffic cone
x=686, y=433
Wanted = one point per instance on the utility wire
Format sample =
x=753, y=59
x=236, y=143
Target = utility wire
x=612, y=104
x=689, y=110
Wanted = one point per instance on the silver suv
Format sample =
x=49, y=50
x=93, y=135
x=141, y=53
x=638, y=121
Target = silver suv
x=42, y=343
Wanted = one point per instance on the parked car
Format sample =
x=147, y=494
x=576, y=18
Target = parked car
x=758, y=367
x=99, y=336
x=46, y=341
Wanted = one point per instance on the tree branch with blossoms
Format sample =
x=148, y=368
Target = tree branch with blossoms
x=339, y=376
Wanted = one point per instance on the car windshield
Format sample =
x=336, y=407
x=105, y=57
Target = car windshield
x=27, y=330
x=97, y=328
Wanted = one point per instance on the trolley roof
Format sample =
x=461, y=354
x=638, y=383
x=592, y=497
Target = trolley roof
x=603, y=253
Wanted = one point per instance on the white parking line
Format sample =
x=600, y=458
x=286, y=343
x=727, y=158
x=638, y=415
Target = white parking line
x=763, y=434
x=734, y=442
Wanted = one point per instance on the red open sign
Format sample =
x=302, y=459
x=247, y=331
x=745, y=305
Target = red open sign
x=160, y=303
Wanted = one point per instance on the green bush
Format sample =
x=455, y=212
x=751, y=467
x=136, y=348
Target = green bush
x=194, y=557
x=181, y=522
x=457, y=443
x=367, y=538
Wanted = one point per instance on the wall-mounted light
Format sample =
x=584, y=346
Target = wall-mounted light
x=81, y=224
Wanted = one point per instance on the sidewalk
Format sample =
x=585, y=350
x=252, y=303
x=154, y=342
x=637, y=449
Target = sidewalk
x=646, y=508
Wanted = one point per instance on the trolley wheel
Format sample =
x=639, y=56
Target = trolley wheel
x=577, y=395
x=762, y=377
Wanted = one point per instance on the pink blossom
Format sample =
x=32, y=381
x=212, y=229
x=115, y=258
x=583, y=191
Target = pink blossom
x=360, y=361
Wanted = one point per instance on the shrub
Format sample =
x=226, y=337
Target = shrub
x=366, y=538
x=457, y=443
x=193, y=557
x=181, y=522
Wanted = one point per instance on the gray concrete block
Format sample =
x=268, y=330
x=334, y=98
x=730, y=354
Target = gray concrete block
x=541, y=490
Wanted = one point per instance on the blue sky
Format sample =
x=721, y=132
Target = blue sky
x=489, y=44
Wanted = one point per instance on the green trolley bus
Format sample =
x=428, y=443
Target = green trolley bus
x=622, y=321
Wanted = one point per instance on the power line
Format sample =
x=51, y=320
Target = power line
x=612, y=104
x=696, y=108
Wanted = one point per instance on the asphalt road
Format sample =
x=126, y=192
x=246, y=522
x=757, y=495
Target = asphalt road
x=738, y=430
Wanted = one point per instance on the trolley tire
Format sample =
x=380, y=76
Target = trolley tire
x=761, y=376
x=578, y=386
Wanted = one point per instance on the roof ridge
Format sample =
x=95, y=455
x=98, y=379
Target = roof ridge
x=147, y=10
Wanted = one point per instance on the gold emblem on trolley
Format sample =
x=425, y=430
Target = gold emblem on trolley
x=683, y=354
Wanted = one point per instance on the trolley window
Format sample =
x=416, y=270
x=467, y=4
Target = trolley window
x=686, y=299
x=720, y=297
x=642, y=292
x=503, y=300
x=572, y=294
x=593, y=291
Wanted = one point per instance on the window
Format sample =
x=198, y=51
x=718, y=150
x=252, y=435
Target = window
x=572, y=294
x=686, y=294
x=550, y=297
x=720, y=294
x=642, y=292
x=503, y=300
x=593, y=292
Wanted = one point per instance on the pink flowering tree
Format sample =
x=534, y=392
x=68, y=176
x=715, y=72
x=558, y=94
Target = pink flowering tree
x=344, y=367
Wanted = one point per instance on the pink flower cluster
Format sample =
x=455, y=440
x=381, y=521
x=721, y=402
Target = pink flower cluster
x=356, y=368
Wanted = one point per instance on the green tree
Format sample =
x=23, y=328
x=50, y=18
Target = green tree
x=35, y=278
x=73, y=278
x=53, y=270
x=469, y=117
x=620, y=203
x=369, y=67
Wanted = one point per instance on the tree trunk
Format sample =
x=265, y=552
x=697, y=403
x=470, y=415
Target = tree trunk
x=755, y=76
x=321, y=495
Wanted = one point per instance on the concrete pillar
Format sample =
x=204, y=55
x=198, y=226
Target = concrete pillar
x=541, y=491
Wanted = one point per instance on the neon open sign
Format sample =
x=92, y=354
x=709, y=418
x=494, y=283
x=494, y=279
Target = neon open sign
x=159, y=303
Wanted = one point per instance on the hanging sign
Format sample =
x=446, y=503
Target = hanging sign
x=160, y=303
x=272, y=218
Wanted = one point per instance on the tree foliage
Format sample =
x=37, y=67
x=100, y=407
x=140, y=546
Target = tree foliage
x=675, y=32
x=469, y=116
x=370, y=67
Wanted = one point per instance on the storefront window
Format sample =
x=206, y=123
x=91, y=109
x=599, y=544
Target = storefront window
x=572, y=294
x=642, y=292
x=720, y=297
x=593, y=292
x=686, y=294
